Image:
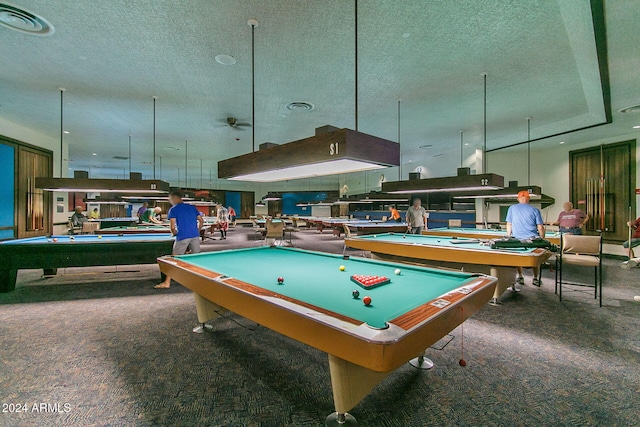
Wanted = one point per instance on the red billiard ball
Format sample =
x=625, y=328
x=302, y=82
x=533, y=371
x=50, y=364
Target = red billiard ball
x=55, y=239
x=366, y=301
x=462, y=362
x=280, y=280
x=355, y=293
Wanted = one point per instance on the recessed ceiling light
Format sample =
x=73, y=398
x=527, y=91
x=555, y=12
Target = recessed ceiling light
x=406, y=35
x=94, y=154
x=225, y=59
x=66, y=132
x=636, y=127
x=466, y=143
x=299, y=106
x=630, y=109
x=22, y=20
x=561, y=142
x=167, y=147
x=424, y=147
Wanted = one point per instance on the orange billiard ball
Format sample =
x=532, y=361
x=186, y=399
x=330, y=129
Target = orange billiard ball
x=366, y=301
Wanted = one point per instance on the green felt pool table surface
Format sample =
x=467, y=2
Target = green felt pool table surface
x=442, y=241
x=141, y=229
x=552, y=236
x=315, y=278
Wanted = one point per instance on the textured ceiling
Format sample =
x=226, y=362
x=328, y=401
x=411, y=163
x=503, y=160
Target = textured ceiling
x=112, y=56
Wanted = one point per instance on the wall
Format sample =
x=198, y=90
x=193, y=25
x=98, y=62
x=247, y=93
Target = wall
x=550, y=170
x=29, y=136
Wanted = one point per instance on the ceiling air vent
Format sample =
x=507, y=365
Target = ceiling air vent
x=22, y=20
x=631, y=109
x=299, y=106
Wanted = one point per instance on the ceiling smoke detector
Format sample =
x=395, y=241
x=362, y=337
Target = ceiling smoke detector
x=299, y=106
x=631, y=109
x=18, y=19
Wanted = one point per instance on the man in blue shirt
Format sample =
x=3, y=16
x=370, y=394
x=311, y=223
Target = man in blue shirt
x=525, y=222
x=186, y=222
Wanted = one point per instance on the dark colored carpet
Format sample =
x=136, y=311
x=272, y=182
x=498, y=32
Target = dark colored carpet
x=122, y=354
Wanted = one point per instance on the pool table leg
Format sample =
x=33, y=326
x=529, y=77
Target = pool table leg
x=8, y=280
x=350, y=384
x=206, y=311
x=505, y=276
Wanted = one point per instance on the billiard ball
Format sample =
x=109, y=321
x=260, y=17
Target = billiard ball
x=48, y=240
x=355, y=293
x=99, y=237
x=404, y=237
x=397, y=271
x=72, y=238
x=55, y=239
x=343, y=268
x=280, y=280
x=366, y=301
x=462, y=362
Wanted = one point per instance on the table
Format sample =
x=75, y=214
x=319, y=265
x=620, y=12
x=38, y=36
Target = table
x=452, y=252
x=115, y=222
x=315, y=307
x=136, y=229
x=478, y=233
x=78, y=251
x=374, y=227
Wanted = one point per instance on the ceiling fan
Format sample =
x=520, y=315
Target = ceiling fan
x=233, y=123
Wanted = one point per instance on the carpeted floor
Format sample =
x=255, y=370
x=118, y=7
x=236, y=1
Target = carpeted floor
x=121, y=353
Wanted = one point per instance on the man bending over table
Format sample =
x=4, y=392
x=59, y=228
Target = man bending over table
x=186, y=222
x=525, y=222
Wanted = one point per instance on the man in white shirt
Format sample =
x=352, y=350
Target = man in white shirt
x=416, y=217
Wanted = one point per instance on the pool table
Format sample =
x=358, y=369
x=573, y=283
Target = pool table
x=315, y=306
x=375, y=227
x=452, y=252
x=477, y=233
x=136, y=229
x=116, y=222
x=78, y=251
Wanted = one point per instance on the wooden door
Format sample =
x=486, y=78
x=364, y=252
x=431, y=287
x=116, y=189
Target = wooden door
x=33, y=204
x=247, y=205
x=602, y=181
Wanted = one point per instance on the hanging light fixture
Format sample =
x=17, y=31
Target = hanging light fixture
x=330, y=151
x=462, y=182
x=81, y=183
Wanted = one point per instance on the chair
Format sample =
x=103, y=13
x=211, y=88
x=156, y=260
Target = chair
x=275, y=231
x=384, y=218
x=258, y=232
x=90, y=227
x=71, y=228
x=293, y=228
x=455, y=223
x=583, y=251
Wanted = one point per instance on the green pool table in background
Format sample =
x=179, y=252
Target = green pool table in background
x=78, y=251
x=315, y=306
x=136, y=229
x=481, y=233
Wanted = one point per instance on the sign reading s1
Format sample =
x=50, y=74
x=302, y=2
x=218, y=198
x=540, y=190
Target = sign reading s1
x=333, y=148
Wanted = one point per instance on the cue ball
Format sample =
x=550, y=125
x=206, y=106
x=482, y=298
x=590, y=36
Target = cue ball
x=355, y=293
x=343, y=268
x=55, y=239
x=366, y=301
x=48, y=240
x=281, y=280
x=462, y=362
x=397, y=271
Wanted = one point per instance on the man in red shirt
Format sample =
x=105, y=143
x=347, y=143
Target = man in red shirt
x=635, y=237
x=571, y=220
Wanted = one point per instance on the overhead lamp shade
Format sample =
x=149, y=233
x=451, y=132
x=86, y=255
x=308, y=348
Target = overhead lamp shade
x=330, y=153
x=507, y=193
x=91, y=185
x=447, y=184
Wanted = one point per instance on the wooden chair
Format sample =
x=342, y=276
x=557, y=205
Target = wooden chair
x=455, y=223
x=582, y=251
x=275, y=231
x=258, y=232
x=90, y=227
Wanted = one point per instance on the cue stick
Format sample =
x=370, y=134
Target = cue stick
x=630, y=219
